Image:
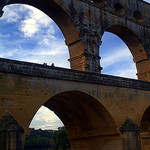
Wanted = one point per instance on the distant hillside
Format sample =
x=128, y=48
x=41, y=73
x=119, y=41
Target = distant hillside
x=47, y=140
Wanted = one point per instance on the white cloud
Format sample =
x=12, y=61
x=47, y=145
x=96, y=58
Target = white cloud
x=29, y=27
x=129, y=72
x=119, y=62
x=11, y=13
x=35, y=21
x=115, y=56
x=4, y=36
x=40, y=29
x=45, y=119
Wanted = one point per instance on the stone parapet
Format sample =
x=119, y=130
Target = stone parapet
x=45, y=71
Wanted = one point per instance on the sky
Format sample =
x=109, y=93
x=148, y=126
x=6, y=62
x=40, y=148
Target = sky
x=27, y=34
x=147, y=1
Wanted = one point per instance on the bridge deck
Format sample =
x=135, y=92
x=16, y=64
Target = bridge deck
x=45, y=71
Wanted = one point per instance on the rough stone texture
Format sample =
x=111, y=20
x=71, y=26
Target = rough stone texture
x=10, y=133
x=131, y=133
x=92, y=106
x=8, y=124
x=129, y=126
x=132, y=141
x=37, y=70
x=86, y=21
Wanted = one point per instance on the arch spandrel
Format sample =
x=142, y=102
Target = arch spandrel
x=85, y=118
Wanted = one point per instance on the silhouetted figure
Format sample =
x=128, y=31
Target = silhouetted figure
x=52, y=65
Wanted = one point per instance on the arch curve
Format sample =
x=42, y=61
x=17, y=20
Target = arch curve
x=131, y=40
x=81, y=113
x=145, y=129
x=138, y=16
x=145, y=121
x=119, y=8
x=135, y=44
x=100, y=2
x=56, y=13
x=87, y=121
x=63, y=17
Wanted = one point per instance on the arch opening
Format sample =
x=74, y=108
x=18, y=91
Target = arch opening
x=100, y=2
x=133, y=43
x=145, y=122
x=116, y=58
x=145, y=129
x=58, y=13
x=83, y=116
x=119, y=8
x=138, y=16
x=30, y=35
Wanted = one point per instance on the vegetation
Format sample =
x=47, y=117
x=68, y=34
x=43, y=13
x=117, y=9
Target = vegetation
x=47, y=140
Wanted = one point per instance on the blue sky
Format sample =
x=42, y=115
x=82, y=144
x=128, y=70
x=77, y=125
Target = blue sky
x=27, y=34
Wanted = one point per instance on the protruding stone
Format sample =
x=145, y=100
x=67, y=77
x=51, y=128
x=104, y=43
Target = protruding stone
x=11, y=133
x=8, y=124
x=129, y=126
x=131, y=134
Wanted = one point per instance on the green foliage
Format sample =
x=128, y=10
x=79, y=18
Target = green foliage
x=61, y=140
x=47, y=139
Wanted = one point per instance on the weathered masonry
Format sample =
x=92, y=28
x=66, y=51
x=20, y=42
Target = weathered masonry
x=83, y=23
x=100, y=112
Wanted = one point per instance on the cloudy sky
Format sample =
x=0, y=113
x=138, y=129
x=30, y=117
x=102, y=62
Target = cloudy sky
x=27, y=34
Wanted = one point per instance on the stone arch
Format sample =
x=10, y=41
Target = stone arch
x=57, y=11
x=100, y=2
x=138, y=16
x=135, y=45
x=85, y=119
x=119, y=8
x=145, y=121
x=145, y=129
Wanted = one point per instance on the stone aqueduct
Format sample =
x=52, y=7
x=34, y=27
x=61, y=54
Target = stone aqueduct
x=100, y=112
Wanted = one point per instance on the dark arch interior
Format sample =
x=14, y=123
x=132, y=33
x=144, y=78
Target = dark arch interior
x=82, y=115
x=131, y=40
x=138, y=16
x=145, y=122
x=100, y=2
x=145, y=129
x=119, y=8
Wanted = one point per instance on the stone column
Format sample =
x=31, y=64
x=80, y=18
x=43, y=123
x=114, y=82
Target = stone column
x=11, y=133
x=145, y=140
x=131, y=135
x=84, y=54
x=143, y=68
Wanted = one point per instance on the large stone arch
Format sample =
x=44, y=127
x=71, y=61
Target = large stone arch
x=145, y=129
x=61, y=15
x=135, y=44
x=87, y=121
